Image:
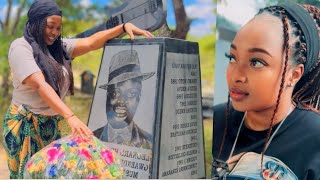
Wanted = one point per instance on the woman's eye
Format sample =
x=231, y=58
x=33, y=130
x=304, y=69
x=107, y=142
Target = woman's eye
x=50, y=27
x=231, y=57
x=257, y=63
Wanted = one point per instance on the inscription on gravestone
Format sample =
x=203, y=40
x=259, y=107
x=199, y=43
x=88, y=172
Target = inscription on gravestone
x=181, y=136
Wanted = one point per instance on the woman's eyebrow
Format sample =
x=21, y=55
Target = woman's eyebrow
x=233, y=46
x=52, y=22
x=252, y=50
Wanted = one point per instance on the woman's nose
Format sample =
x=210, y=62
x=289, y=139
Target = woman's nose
x=239, y=75
x=55, y=32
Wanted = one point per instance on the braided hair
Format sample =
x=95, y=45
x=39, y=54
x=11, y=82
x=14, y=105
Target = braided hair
x=307, y=89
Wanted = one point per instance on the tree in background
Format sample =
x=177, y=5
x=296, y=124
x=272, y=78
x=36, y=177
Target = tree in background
x=8, y=30
x=9, y=26
x=182, y=20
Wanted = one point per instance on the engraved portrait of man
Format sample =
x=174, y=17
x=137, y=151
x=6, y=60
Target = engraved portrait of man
x=123, y=92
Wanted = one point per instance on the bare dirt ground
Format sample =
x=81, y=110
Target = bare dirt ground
x=4, y=172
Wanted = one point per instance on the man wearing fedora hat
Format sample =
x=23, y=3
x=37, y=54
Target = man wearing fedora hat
x=123, y=96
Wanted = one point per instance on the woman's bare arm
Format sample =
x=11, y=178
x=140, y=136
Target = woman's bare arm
x=47, y=93
x=97, y=40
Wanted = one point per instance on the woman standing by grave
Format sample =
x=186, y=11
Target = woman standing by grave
x=40, y=62
x=271, y=128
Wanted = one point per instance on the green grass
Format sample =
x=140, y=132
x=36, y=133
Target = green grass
x=208, y=124
x=90, y=61
x=80, y=104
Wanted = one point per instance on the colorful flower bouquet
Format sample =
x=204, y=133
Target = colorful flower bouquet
x=73, y=158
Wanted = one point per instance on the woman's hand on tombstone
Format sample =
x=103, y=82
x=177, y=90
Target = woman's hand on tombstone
x=132, y=30
x=78, y=128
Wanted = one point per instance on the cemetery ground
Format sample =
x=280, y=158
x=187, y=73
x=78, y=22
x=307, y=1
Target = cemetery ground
x=80, y=104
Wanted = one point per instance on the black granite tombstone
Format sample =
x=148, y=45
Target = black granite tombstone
x=147, y=107
x=145, y=14
x=87, y=82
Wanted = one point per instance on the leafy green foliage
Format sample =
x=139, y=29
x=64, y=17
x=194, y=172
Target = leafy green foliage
x=208, y=134
x=75, y=11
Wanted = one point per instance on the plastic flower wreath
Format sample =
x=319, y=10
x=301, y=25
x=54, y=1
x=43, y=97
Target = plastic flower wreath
x=73, y=158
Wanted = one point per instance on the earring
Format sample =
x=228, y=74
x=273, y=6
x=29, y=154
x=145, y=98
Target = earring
x=290, y=85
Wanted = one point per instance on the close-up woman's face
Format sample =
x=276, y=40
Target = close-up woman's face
x=256, y=63
x=52, y=29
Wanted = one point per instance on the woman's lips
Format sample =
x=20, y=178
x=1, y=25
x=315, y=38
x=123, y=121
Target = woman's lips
x=51, y=39
x=237, y=94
